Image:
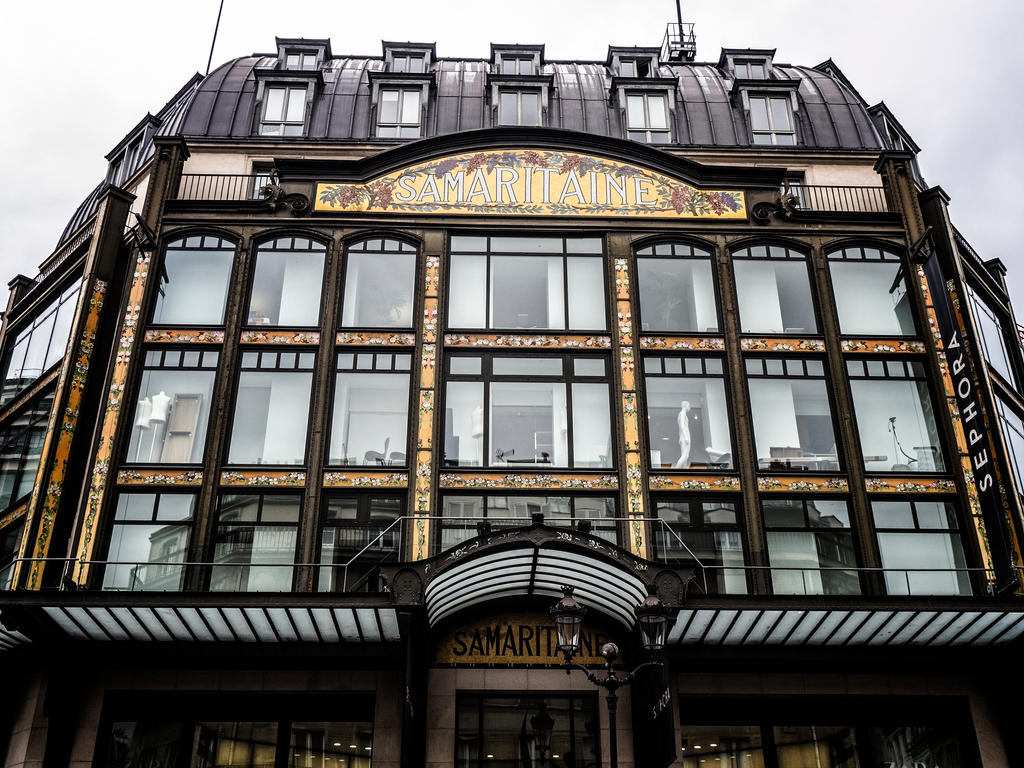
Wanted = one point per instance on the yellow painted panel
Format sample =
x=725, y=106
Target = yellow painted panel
x=529, y=182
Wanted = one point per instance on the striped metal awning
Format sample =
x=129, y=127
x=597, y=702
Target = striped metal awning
x=246, y=618
x=969, y=624
x=535, y=570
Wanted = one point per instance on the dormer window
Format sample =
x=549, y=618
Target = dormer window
x=771, y=120
x=408, y=62
x=398, y=115
x=647, y=118
x=519, y=107
x=634, y=68
x=750, y=69
x=284, y=111
x=304, y=61
x=517, y=65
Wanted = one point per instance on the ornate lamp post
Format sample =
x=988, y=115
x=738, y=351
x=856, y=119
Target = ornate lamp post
x=652, y=621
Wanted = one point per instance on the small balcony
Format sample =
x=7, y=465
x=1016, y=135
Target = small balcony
x=222, y=186
x=820, y=198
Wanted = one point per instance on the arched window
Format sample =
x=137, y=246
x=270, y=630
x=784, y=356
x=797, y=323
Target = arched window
x=774, y=291
x=677, y=289
x=870, y=288
x=287, y=282
x=194, y=278
x=379, y=278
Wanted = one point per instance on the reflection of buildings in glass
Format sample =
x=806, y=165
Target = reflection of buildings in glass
x=167, y=545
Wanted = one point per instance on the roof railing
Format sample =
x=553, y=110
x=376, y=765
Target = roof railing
x=680, y=43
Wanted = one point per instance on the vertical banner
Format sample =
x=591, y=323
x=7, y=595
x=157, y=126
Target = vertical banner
x=654, y=731
x=977, y=425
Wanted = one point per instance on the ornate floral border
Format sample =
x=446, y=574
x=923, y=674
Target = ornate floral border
x=681, y=343
x=280, y=337
x=352, y=338
x=769, y=484
x=519, y=341
x=424, y=457
x=540, y=481
x=108, y=430
x=36, y=388
x=263, y=478
x=879, y=346
x=189, y=477
x=334, y=479
x=76, y=369
x=693, y=482
x=13, y=515
x=908, y=485
x=750, y=344
x=183, y=336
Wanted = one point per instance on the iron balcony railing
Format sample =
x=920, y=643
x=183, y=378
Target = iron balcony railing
x=222, y=186
x=358, y=552
x=839, y=199
x=680, y=43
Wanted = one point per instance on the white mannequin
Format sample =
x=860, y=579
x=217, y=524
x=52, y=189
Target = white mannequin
x=161, y=407
x=476, y=428
x=683, y=422
x=143, y=413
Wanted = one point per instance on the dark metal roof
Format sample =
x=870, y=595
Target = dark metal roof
x=707, y=113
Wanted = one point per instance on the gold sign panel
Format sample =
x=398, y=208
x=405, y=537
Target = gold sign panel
x=531, y=182
x=518, y=639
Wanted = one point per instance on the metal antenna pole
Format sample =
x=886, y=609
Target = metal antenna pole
x=679, y=12
x=213, y=42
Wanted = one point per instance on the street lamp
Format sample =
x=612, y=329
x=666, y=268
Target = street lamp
x=651, y=619
x=542, y=724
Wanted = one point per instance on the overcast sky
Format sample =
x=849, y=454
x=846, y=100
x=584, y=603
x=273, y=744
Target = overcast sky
x=85, y=72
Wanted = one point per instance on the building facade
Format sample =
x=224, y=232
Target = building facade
x=351, y=363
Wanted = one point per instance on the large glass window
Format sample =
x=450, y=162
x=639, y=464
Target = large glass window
x=774, y=291
x=792, y=417
x=810, y=547
x=21, y=446
x=870, y=288
x=39, y=344
x=517, y=65
x=272, y=408
x=398, y=113
x=677, y=290
x=465, y=516
x=550, y=283
x=379, y=277
x=10, y=541
x=194, y=280
x=922, y=553
x=647, y=118
x=705, y=529
x=255, y=542
x=173, y=406
x=527, y=411
x=284, y=111
x=771, y=120
x=526, y=730
x=992, y=339
x=687, y=413
x=286, y=282
x=195, y=740
x=895, y=416
x=149, y=541
x=1013, y=435
x=371, y=409
x=407, y=62
x=817, y=733
x=358, y=534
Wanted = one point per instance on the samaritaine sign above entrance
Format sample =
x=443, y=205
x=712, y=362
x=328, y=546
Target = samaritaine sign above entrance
x=532, y=182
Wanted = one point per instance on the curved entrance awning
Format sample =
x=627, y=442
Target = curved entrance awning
x=536, y=561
